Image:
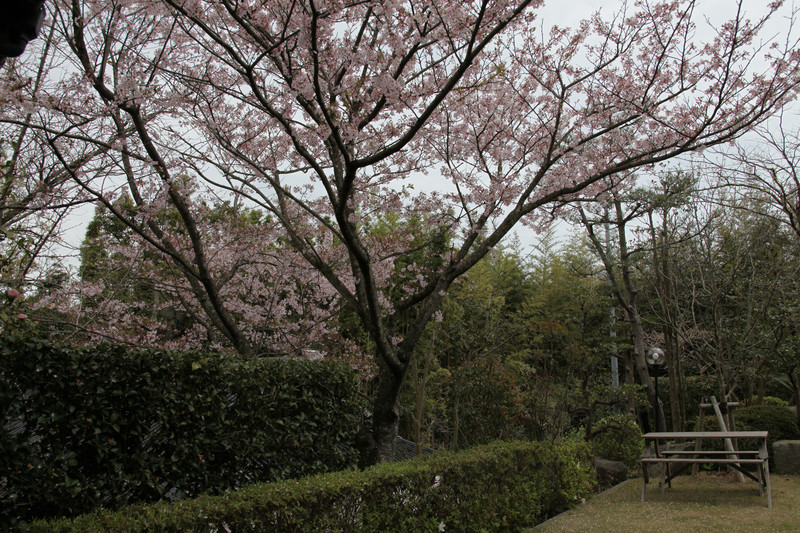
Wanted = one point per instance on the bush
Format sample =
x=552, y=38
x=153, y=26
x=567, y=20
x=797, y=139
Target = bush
x=778, y=420
x=485, y=401
x=772, y=400
x=497, y=487
x=85, y=428
x=698, y=388
x=618, y=438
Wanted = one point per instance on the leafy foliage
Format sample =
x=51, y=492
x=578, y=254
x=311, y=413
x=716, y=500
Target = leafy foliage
x=546, y=402
x=315, y=114
x=497, y=487
x=106, y=427
x=520, y=351
x=698, y=389
x=481, y=314
x=772, y=400
x=778, y=420
x=618, y=438
x=485, y=403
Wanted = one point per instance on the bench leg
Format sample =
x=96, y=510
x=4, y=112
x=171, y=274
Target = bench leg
x=766, y=478
x=760, y=471
x=644, y=485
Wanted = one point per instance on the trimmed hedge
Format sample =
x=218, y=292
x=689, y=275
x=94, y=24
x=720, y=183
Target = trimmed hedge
x=618, y=438
x=497, y=487
x=107, y=426
x=778, y=420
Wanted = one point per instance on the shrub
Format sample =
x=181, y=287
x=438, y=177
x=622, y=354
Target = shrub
x=485, y=401
x=772, y=400
x=85, y=428
x=618, y=438
x=698, y=388
x=778, y=420
x=497, y=487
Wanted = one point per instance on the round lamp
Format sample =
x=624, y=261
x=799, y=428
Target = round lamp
x=655, y=357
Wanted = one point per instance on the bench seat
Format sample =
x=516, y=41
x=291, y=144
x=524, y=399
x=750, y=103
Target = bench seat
x=701, y=460
x=708, y=452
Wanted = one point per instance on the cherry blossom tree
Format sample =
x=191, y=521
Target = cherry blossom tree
x=129, y=292
x=106, y=62
x=36, y=193
x=325, y=113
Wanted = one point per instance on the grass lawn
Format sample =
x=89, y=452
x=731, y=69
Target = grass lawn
x=707, y=503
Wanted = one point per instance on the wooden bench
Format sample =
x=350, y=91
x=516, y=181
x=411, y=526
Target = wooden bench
x=685, y=458
x=709, y=452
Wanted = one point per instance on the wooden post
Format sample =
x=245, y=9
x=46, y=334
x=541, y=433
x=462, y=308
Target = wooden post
x=701, y=424
x=724, y=427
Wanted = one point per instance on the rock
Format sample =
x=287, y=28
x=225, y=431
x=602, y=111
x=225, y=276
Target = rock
x=786, y=455
x=654, y=470
x=610, y=472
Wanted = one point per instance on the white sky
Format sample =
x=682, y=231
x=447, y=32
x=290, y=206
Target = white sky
x=571, y=12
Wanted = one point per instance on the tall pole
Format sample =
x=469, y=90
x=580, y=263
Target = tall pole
x=655, y=365
x=613, y=330
x=655, y=377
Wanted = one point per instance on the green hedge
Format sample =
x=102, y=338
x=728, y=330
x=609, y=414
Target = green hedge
x=85, y=428
x=497, y=487
x=698, y=388
x=778, y=420
x=618, y=438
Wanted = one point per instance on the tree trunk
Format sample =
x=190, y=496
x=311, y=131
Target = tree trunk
x=385, y=418
x=626, y=292
x=627, y=295
x=671, y=338
x=421, y=383
x=676, y=399
x=640, y=362
x=795, y=382
x=419, y=404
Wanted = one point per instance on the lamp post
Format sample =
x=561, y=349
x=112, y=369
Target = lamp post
x=656, y=362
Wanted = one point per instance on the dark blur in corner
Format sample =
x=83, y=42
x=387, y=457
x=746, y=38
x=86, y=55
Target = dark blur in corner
x=20, y=22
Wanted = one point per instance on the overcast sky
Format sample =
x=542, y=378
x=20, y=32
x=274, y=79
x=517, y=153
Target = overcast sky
x=569, y=13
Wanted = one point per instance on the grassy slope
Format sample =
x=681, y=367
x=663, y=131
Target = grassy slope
x=708, y=503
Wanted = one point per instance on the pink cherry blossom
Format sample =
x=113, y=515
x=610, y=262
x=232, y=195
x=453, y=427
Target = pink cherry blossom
x=186, y=119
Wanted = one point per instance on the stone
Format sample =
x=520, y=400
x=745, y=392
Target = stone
x=786, y=456
x=610, y=472
x=654, y=470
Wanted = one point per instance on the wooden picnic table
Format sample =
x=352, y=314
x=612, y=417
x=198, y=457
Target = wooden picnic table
x=684, y=458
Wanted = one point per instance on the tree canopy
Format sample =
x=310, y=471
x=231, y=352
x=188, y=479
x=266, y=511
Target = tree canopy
x=318, y=113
